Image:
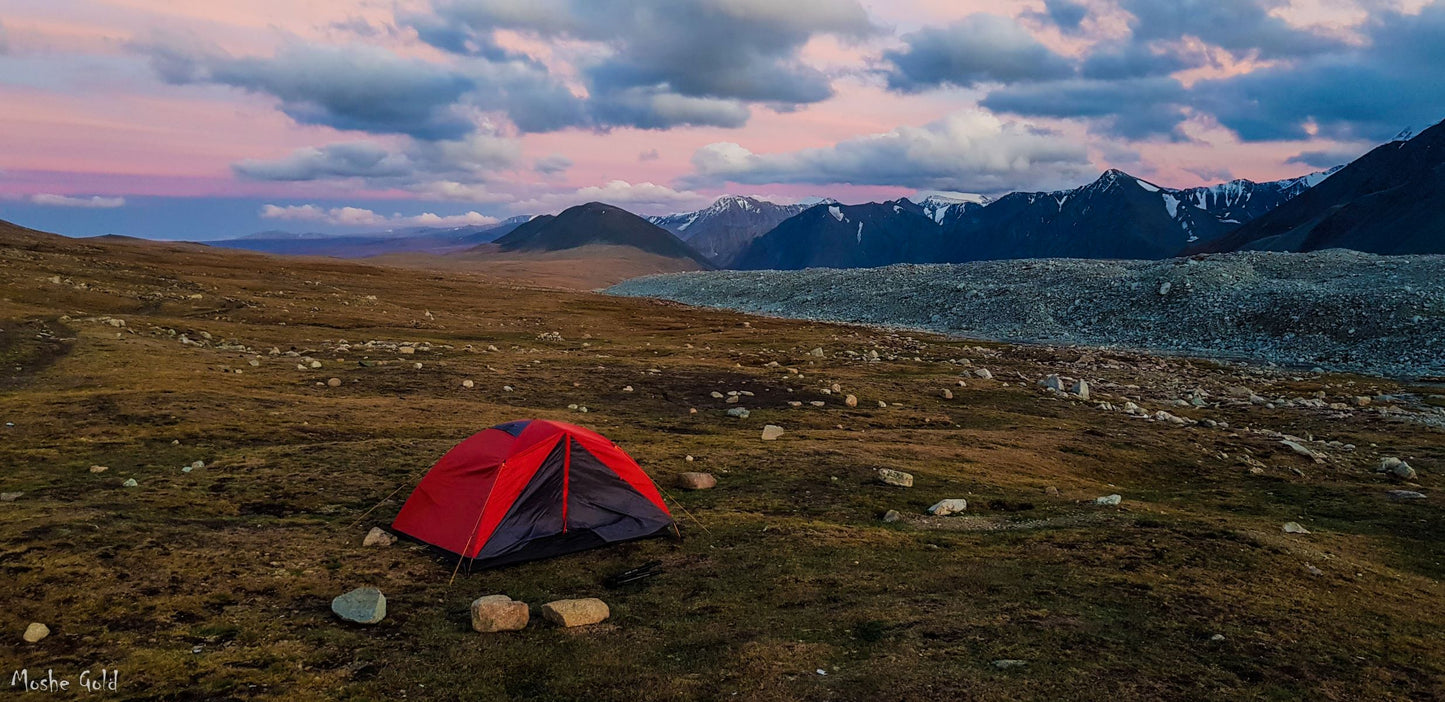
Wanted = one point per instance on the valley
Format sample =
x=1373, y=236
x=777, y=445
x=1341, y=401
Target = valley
x=127, y=362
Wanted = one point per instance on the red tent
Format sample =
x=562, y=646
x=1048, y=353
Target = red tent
x=532, y=489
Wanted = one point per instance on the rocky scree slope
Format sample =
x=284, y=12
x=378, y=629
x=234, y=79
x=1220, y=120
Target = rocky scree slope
x=1338, y=310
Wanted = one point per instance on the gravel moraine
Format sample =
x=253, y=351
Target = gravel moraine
x=1338, y=310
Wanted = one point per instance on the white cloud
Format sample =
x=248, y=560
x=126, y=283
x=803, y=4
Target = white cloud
x=361, y=217
x=94, y=202
x=970, y=151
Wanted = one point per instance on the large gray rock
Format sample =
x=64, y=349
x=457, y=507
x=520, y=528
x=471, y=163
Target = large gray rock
x=378, y=537
x=739, y=413
x=946, y=507
x=364, y=605
x=495, y=613
x=888, y=476
x=1108, y=500
x=771, y=432
x=1081, y=389
x=571, y=613
x=1294, y=528
x=35, y=632
x=696, y=481
x=1397, y=468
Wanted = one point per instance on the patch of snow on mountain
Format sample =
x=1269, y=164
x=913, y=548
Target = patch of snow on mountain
x=860, y=232
x=1171, y=203
x=836, y=211
x=1148, y=186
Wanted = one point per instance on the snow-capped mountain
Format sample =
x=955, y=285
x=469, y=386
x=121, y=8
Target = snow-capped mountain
x=847, y=236
x=1385, y=202
x=724, y=228
x=1116, y=216
x=1240, y=201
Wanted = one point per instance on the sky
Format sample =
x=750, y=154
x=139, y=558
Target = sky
x=210, y=120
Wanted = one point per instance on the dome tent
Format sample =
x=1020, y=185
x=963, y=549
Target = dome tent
x=532, y=489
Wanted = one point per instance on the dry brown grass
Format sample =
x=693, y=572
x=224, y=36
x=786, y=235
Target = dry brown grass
x=237, y=561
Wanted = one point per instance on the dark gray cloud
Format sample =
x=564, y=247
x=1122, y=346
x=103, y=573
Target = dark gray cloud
x=1135, y=60
x=666, y=62
x=649, y=155
x=4, y=42
x=1325, y=159
x=1066, y=14
x=1133, y=109
x=360, y=88
x=969, y=151
x=980, y=48
x=552, y=165
x=1241, y=26
x=457, y=169
x=348, y=160
x=1366, y=93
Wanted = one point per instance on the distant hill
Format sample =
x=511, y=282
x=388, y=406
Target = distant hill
x=1389, y=201
x=412, y=240
x=596, y=223
x=847, y=236
x=722, y=230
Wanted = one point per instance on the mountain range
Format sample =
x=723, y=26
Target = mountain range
x=1388, y=201
x=722, y=230
x=433, y=240
x=1385, y=202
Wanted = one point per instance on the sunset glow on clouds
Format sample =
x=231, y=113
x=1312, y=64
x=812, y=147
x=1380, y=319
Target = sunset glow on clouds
x=337, y=115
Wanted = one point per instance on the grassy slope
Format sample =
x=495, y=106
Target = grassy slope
x=794, y=572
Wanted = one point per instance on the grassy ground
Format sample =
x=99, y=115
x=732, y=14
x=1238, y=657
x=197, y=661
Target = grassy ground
x=215, y=584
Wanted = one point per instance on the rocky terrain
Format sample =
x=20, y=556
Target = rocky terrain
x=203, y=451
x=1333, y=310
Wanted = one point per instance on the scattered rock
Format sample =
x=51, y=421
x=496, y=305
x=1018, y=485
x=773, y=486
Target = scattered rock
x=99, y=469
x=771, y=432
x=378, y=537
x=1051, y=491
x=130, y=482
x=816, y=353
x=1165, y=287
x=35, y=632
x=1294, y=528
x=892, y=516
x=1405, y=495
x=717, y=395
x=696, y=481
x=882, y=405
x=1313, y=570
x=1217, y=638
x=10, y=496
x=851, y=400
x=334, y=382
x=1302, y=450
x=946, y=507
x=738, y=412
x=627, y=388
x=1081, y=389
x=983, y=373
x=888, y=476
x=571, y=613
x=406, y=350
x=1109, y=500
x=947, y=394
x=468, y=384
x=1008, y=663
x=495, y=613
x=1053, y=382
x=364, y=605
x=1397, y=468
